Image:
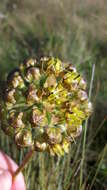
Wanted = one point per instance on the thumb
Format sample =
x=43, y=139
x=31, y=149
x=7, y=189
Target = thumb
x=5, y=180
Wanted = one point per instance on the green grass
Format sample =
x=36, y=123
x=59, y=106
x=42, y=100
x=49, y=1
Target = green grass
x=75, y=32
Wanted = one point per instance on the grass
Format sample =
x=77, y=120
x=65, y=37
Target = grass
x=72, y=31
x=85, y=130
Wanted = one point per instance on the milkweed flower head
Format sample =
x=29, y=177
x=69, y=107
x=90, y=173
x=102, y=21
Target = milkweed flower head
x=44, y=105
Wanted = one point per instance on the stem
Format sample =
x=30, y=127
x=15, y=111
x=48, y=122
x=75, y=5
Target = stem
x=85, y=131
x=24, y=162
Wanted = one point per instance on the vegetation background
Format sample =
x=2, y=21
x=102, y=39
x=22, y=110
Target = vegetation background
x=73, y=30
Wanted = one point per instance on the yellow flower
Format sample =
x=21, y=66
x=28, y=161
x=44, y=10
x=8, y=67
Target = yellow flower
x=69, y=77
x=57, y=149
x=54, y=65
x=65, y=145
x=44, y=105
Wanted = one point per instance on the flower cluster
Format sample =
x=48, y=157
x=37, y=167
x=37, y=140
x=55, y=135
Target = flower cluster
x=44, y=105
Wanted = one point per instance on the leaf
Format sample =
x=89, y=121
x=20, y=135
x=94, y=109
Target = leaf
x=49, y=116
x=39, y=106
x=42, y=81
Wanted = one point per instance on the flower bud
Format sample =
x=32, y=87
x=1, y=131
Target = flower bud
x=10, y=96
x=32, y=95
x=32, y=74
x=17, y=81
x=50, y=81
x=23, y=138
x=88, y=108
x=82, y=95
x=82, y=84
x=40, y=146
x=29, y=63
x=53, y=135
x=71, y=68
x=37, y=117
x=16, y=121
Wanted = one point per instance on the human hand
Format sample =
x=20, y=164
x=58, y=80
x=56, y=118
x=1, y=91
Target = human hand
x=7, y=169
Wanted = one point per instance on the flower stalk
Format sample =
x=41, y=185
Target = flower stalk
x=24, y=163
